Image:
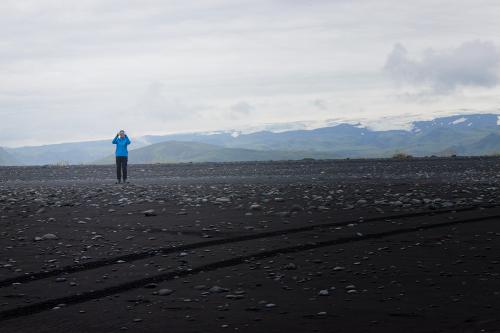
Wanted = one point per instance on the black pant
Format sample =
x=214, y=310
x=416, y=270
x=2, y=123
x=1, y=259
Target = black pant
x=121, y=167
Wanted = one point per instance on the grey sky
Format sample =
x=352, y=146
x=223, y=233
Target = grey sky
x=74, y=70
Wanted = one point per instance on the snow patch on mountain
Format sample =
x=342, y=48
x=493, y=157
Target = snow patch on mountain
x=458, y=121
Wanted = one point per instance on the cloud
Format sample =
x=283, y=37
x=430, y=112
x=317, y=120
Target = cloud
x=158, y=105
x=241, y=109
x=320, y=104
x=472, y=64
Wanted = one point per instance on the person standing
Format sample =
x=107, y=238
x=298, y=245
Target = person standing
x=121, y=141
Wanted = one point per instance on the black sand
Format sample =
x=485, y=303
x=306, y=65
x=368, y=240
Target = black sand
x=308, y=246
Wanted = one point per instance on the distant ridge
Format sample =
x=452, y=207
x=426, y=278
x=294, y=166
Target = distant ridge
x=7, y=158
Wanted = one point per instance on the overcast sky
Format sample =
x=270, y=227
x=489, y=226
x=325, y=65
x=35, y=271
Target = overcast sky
x=77, y=70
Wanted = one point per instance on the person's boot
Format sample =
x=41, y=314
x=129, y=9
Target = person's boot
x=118, y=181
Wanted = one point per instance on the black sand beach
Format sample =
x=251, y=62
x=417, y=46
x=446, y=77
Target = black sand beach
x=306, y=246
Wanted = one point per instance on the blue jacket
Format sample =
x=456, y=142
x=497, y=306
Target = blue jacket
x=121, y=145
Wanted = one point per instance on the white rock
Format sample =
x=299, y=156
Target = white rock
x=164, y=292
x=46, y=237
x=323, y=292
x=256, y=207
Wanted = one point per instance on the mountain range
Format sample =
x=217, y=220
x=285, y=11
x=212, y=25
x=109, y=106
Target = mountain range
x=473, y=134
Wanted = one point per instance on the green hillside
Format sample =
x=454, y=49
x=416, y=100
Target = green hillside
x=180, y=152
x=489, y=145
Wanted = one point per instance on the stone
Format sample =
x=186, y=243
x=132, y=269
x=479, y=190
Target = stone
x=46, y=237
x=217, y=290
x=255, y=207
x=165, y=292
x=149, y=212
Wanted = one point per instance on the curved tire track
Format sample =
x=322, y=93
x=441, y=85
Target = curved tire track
x=95, y=294
x=167, y=250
